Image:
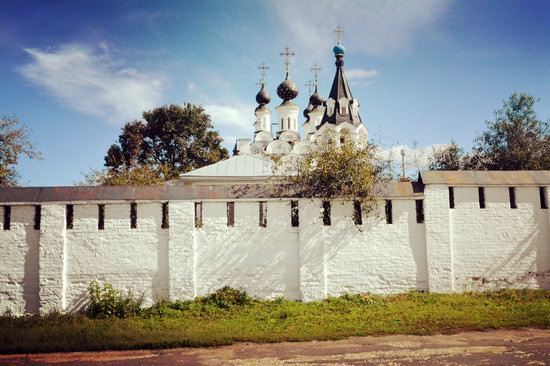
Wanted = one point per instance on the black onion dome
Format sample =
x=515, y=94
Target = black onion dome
x=316, y=99
x=263, y=97
x=307, y=110
x=287, y=90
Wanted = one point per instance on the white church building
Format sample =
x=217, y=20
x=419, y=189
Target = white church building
x=220, y=225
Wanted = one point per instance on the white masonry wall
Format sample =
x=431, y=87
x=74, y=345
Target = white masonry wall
x=464, y=248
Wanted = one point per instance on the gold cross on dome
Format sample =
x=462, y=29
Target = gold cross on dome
x=316, y=69
x=339, y=31
x=263, y=72
x=286, y=54
x=310, y=86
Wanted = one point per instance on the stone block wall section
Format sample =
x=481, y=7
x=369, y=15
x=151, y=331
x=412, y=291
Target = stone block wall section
x=453, y=246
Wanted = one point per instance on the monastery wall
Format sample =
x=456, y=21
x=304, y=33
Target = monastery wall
x=448, y=249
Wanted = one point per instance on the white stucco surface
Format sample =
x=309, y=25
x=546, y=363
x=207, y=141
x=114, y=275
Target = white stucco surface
x=460, y=249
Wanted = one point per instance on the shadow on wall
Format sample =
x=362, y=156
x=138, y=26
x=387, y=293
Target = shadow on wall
x=262, y=261
x=31, y=276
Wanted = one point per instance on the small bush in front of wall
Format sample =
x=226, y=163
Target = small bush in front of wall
x=226, y=297
x=107, y=302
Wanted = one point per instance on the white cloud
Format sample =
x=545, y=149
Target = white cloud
x=360, y=73
x=377, y=26
x=231, y=119
x=90, y=81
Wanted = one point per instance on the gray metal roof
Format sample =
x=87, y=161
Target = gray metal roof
x=235, y=166
x=482, y=178
x=21, y=195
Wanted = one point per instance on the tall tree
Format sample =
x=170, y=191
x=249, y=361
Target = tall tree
x=14, y=143
x=170, y=140
x=515, y=140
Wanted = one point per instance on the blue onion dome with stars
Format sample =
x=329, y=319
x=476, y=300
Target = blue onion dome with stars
x=287, y=90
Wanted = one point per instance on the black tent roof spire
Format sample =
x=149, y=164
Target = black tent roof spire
x=340, y=106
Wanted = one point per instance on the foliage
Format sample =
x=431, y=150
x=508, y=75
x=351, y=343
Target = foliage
x=170, y=140
x=14, y=142
x=227, y=297
x=108, y=302
x=349, y=170
x=515, y=140
x=450, y=157
x=195, y=323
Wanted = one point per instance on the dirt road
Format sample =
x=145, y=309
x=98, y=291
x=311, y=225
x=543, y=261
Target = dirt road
x=502, y=347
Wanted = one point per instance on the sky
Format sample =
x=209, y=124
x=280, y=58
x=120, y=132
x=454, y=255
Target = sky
x=424, y=72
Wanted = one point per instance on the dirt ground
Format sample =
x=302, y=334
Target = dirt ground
x=501, y=347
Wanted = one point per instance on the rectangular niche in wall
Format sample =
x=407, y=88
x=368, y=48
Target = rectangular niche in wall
x=69, y=216
x=133, y=215
x=165, y=216
x=512, y=195
x=326, y=213
x=37, y=217
x=451, y=197
x=357, y=213
x=419, y=211
x=7, y=218
x=263, y=214
x=481, y=194
x=230, y=214
x=101, y=217
x=294, y=214
x=543, y=198
x=198, y=214
x=389, y=212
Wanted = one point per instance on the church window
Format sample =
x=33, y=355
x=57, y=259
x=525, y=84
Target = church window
x=512, y=195
x=451, y=197
x=7, y=217
x=389, y=212
x=344, y=110
x=165, y=216
x=100, y=217
x=326, y=213
x=198, y=214
x=263, y=214
x=37, y=217
x=357, y=213
x=481, y=194
x=543, y=198
x=69, y=216
x=133, y=215
x=288, y=123
x=419, y=211
x=231, y=214
x=294, y=214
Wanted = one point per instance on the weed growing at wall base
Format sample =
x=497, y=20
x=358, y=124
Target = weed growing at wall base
x=230, y=315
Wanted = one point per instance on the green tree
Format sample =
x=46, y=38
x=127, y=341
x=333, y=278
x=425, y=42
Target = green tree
x=14, y=143
x=449, y=157
x=515, y=140
x=348, y=170
x=170, y=140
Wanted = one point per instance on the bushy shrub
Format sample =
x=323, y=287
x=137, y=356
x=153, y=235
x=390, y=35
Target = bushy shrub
x=226, y=297
x=106, y=302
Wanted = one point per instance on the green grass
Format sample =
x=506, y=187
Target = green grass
x=207, y=322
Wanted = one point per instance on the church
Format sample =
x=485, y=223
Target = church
x=447, y=232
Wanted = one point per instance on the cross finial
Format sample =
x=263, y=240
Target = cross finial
x=316, y=69
x=263, y=72
x=339, y=31
x=310, y=86
x=286, y=54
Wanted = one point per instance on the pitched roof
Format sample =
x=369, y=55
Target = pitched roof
x=235, y=166
x=480, y=178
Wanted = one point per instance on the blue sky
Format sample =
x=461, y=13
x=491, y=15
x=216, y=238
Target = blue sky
x=424, y=72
